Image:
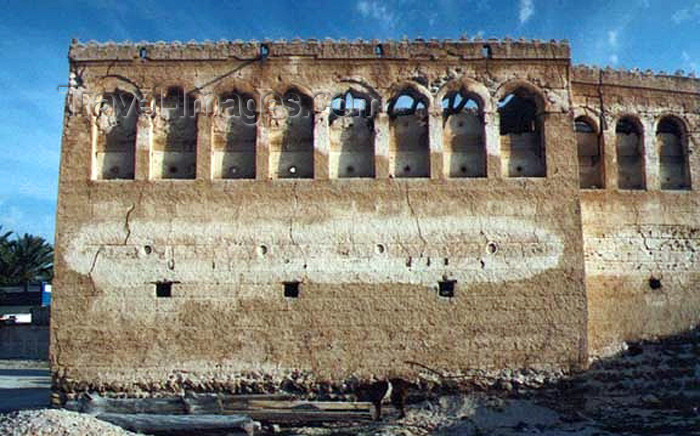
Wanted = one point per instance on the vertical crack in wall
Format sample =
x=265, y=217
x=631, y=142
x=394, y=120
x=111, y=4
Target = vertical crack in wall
x=295, y=198
x=92, y=268
x=424, y=243
x=127, y=223
x=127, y=227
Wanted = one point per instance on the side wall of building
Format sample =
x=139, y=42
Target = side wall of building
x=368, y=253
x=641, y=246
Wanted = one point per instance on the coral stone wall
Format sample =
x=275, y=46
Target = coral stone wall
x=641, y=246
x=163, y=281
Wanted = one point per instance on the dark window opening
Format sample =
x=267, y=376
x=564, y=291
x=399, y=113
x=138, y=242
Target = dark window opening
x=235, y=135
x=264, y=51
x=674, y=170
x=630, y=154
x=292, y=136
x=522, y=138
x=409, y=145
x=446, y=288
x=463, y=140
x=164, y=289
x=291, y=289
x=486, y=51
x=175, y=135
x=590, y=155
x=116, y=121
x=143, y=53
x=379, y=50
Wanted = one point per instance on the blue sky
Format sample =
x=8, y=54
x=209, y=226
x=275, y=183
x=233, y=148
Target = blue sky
x=34, y=39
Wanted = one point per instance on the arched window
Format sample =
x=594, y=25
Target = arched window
x=590, y=154
x=409, y=147
x=115, y=150
x=292, y=137
x=235, y=130
x=522, y=139
x=175, y=136
x=630, y=154
x=351, y=136
x=463, y=139
x=674, y=171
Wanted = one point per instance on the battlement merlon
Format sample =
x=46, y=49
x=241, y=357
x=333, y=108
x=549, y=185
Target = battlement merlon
x=433, y=49
x=678, y=82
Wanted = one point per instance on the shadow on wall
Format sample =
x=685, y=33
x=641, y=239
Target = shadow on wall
x=652, y=387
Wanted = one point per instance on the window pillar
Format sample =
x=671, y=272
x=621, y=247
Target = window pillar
x=144, y=133
x=609, y=146
x=435, y=133
x=262, y=147
x=204, y=126
x=692, y=142
x=322, y=145
x=651, y=155
x=493, y=144
x=381, y=145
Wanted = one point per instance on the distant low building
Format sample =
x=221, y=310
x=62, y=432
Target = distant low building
x=21, y=306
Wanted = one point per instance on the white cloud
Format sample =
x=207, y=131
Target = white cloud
x=377, y=11
x=614, y=59
x=687, y=14
x=689, y=63
x=527, y=10
x=612, y=38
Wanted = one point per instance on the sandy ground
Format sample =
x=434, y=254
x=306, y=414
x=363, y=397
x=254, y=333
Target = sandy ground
x=648, y=388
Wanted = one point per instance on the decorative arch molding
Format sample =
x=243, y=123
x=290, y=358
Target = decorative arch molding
x=591, y=116
x=470, y=86
x=395, y=90
x=513, y=85
x=355, y=86
x=674, y=116
x=632, y=117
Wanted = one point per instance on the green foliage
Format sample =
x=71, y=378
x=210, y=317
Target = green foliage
x=24, y=259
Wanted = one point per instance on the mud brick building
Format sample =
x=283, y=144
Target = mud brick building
x=334, y=211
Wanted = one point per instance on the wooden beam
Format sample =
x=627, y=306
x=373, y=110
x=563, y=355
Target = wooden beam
x=154, y=423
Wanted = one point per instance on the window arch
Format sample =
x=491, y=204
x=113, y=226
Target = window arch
x=234, y=137
x=671, y=143
x=115, y=150
x=523, y=151
x=463, y=139
x=351, y=123
x=590, y=154
x=409, y=147
x=292, y=136
x=174, y=153
x=629, y=144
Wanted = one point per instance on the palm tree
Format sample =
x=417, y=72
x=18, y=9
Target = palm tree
x=25, y=259
x=33, y=258
x=5, y=256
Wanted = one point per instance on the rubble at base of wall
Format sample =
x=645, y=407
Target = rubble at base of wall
x=304, y=385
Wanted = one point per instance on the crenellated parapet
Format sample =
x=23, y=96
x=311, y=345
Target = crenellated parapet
x=432, y=49
x=677, y=82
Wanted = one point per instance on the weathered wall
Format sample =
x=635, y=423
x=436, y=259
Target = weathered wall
x=368, y=252
x=634, y=237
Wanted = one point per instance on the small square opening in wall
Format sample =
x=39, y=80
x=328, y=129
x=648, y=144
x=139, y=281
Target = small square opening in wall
x=446, y=288
x=164, y=289
x=291, y=289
